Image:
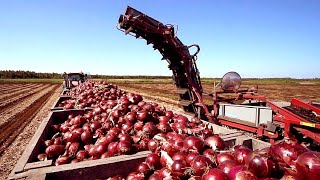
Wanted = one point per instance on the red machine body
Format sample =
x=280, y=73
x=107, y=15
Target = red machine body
x=296, y=118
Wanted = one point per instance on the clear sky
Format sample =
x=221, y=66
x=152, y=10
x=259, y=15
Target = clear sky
x=257, y=38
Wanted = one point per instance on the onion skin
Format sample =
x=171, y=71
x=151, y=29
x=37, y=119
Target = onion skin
x=55, y=150
x=241, y=154
x=215, y=142
x=193, y=143
x=308, y=165
x=224, y=157
x=214, y=174
x=287, y=152
x=153, y=161
x=227, y=165
x=178, y=168
x=200, y=164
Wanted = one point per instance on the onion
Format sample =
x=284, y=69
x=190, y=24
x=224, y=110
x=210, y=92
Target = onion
x=193, y=143
x=112, y=148
x=143, y=168
x=124, y=147
x=155, y=177
x=42, y=157
x=95, y=125
x=179, y=156
x=214, y=174
x=82, y=154
x=210, y=153
x=153, y=145
x=287, y=151
x=86, y=137
x=200, y=164
x=181, y=119
x=178, y=168
x=169, y=114
x=54, y=150
x=164, y=127
x=244, y=175
x=125, y=137
x=138, y=126
x=142, y=115
x=73, y=148
x=164, y=119
x=224, y=157
x=164, y=173
x=150, y=129
x=153, y=160
x=135, y=176
x=131, y=117
x=62, y=160
x=308, y=165
x=241, y=154
x=261, y=164
x=215, y=142
x=226, y=166
x=190, y=157
x=143, y=144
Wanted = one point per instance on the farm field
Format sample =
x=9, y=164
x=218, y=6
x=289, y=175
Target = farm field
x=21, y=106
x=273, y=89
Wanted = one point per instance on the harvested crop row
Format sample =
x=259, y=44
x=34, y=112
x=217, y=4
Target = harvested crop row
x=14, y=93
x=11, y=155
x=14, y=98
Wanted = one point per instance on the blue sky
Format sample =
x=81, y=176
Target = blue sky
x=257, y=38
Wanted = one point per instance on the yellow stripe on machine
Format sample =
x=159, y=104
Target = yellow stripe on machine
x=307, y=124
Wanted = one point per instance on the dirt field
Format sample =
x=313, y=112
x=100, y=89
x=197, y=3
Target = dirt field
x=274, y=92
x=22, y=107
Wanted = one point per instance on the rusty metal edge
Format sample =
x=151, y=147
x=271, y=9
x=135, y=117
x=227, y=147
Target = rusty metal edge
x=80, y=165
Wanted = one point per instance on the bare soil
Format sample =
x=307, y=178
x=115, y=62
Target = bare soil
x=36, y=107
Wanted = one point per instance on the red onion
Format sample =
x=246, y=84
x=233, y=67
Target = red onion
x=200, y=164
x=193, y=143
x=287, y=151
x=178, y=168
x=124, y=147
x=153, y=160
x=224, y=157
x=227, y=165
x=190, y=157
x=113, y=148
x=261, y=164
x=179, y=156
x=86, y=137
x=214, y=174
x=82, y=154
x=54, y=150
x=241, y=154
x=153, y=145
x=143, y=168
x=215, y=142
x=308, y=165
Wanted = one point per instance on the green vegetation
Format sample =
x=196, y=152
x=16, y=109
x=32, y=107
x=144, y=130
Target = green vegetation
x=9, y=76
x=12, y=81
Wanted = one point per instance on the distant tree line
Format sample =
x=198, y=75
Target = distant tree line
x=9, y=74
x=128, y=77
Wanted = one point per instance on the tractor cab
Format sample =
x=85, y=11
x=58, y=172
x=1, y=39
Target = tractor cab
x=73, y=79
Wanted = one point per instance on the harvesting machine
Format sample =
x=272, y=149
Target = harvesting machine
x=244, y=109
x=73, y=79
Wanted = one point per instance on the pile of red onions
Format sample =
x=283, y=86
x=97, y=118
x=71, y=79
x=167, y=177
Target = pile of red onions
x=181, y=148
